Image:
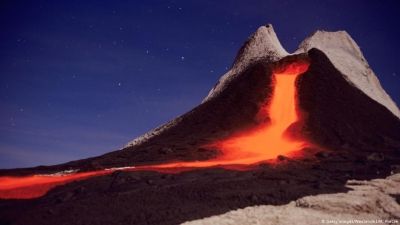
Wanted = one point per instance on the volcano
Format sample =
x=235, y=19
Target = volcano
x=275, y=128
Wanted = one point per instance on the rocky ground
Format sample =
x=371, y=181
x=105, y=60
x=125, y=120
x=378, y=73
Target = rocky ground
x=368, y=202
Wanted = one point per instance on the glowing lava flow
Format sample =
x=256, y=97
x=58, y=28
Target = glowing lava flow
x=262, y=143
x=268, y=140
x=33, y=186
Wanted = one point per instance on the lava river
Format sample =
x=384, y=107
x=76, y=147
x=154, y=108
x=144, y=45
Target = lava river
x=249, y=147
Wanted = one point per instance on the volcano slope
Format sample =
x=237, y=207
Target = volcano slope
x=351, y=125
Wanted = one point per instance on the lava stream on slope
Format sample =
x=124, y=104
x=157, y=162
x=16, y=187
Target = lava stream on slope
x=264, y=142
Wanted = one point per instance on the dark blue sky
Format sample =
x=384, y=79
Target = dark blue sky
x=81, y=78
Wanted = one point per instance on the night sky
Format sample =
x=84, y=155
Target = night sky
x=82, y=78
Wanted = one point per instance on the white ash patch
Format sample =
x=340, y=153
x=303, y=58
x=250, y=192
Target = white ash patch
x=58, y=174
x=262, y=44
x=154, y=132
x=346, y=56
x=120, y=168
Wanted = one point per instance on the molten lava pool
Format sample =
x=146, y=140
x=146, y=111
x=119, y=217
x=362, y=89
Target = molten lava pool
x=264, y=142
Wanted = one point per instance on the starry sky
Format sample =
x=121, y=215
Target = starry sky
x=82, y=78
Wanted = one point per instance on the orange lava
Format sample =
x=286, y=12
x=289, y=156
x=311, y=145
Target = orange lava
x=269, y=139
x=33, y=186
x=264, y=142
